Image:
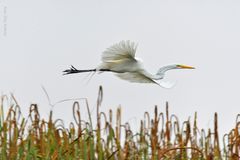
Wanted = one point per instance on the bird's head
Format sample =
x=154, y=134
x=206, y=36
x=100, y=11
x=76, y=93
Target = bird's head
x=162, y=70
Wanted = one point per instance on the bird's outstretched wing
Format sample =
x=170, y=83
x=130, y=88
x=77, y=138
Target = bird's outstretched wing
x=135, y=77
x=120, y=51
x=139, y=77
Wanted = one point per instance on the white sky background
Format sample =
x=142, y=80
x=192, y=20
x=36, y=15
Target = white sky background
x=40, y=39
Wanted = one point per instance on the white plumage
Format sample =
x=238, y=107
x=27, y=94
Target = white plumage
x=120, y=59
x=120, y=51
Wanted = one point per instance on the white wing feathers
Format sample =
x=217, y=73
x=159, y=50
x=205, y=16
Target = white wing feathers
x=120, y=58
x=119, y=51
x=135, y=77
x=142, y=78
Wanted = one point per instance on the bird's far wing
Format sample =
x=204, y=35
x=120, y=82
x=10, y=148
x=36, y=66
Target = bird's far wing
x=135, y=77
x=120, y=51
x=167, y=84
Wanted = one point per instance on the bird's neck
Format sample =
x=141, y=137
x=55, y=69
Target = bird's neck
x=161, y=72
x=157, y=76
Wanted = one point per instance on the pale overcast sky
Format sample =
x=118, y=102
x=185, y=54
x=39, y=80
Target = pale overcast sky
x=39, y=39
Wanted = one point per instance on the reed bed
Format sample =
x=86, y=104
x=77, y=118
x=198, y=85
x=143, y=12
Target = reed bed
x=160, y=137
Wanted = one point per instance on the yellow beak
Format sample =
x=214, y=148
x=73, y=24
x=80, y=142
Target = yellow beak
x=185, y=67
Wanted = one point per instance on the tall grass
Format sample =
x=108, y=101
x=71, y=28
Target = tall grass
x=162, y=136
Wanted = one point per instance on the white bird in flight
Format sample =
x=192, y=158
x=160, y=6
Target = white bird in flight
x=120, y=59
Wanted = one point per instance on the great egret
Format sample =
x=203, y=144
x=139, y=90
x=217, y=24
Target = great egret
x=120, y=59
